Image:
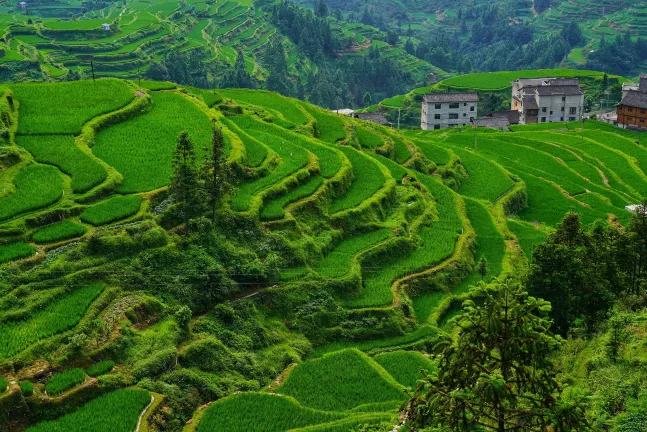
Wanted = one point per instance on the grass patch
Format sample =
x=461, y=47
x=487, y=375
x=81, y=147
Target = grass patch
x=341, y=381
x=37, y=186
x=368, y=179
x=55, y=317
x=527, y=235
x=63, y=230
x=274, y=209
x=405, y=366
x=261, y=412
x=485, y=179
x=368, y=139
x=330, y=127
x=63, y=108
x=141, y=148
x=64, y=381
x=338, y=262
x=60, y=150
x=111, y=210
x=15, y=251
x=101, y=368
x=281, y=107
x=115, y=412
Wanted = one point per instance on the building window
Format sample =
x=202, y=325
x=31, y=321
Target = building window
x=543, y=119
x=472, y=119
x=472, y=108
x=437, y=116
x=465, y=104
x=544, y=109
x=573, y=110
x=564, y=99
x=436, y=127
x=464, y=114
x=453, y=116
x=453, y=106
x=631, y=110
x=551, y=113
x=561, y=119
x=642, y=111
x=571, y=119
x=562, y=109
x=438, y=106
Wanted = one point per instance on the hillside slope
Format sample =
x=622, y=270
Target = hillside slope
x=342, y=241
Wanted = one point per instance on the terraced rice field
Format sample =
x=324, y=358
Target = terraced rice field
x=389, y=235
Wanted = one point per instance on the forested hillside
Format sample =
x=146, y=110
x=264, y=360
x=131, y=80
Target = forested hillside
x=237, y=260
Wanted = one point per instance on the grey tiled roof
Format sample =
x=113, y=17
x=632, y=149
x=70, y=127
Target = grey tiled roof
x=451, y=97
x=375, y=117
x=529, y=102
x=557, y=90
x=492, y=122
x=635, y=99
x=512, y=116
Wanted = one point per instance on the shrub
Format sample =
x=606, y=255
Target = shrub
x=59, y=231
x=64, y=381
x=3, y=385
x=26, y=388
x=156, y=364
x=101, y=368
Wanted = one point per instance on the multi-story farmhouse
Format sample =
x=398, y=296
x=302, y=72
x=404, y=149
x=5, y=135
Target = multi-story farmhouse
x=443, y=110
x=632, y=111
x=546, y=100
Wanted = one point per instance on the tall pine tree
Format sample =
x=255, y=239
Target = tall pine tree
x=216, y=173
x=185, y=188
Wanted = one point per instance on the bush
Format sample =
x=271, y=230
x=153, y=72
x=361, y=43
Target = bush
x=3, y=385
x=63, y=381
x=26, y=388
x=101, y=368
x=156, y=364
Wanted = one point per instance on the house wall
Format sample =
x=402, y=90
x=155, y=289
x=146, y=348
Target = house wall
x=465, y=113
x=560, y=108
x=631, y=116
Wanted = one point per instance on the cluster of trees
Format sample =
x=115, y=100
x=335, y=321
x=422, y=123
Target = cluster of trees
x=498, y=374
x=197, y=188
x=619, y=56
x=189, y=67
x=509, y=47
x=582, y=270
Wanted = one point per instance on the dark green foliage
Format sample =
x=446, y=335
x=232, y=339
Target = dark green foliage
x=186, y=190
x=3, y=385
x=208, y=355
x=64, y=381
x=156, y=364
x=101, y=368
x=26, y=388
x=499, y=371
x=580, y=271
x=215, y=173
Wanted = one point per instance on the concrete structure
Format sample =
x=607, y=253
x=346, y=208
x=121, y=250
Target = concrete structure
x=632, y=110
x=493, y=123
x=105, y=26
x=344, y=111
x=547, y=100
x=443, y=110
x=22, y=5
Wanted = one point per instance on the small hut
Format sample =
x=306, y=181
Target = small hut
x=105, y=26
x=22, y=5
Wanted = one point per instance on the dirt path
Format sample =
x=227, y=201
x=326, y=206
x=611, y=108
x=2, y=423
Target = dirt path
x=141, y=416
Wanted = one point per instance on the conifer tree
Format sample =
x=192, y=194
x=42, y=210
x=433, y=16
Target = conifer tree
x=482, y=266
x=498, y=374
x=185, y=187
x=216, y=173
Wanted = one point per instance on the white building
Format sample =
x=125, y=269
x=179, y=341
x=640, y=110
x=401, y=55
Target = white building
x=547, y=100
x=443, y=110
x=105, y=26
